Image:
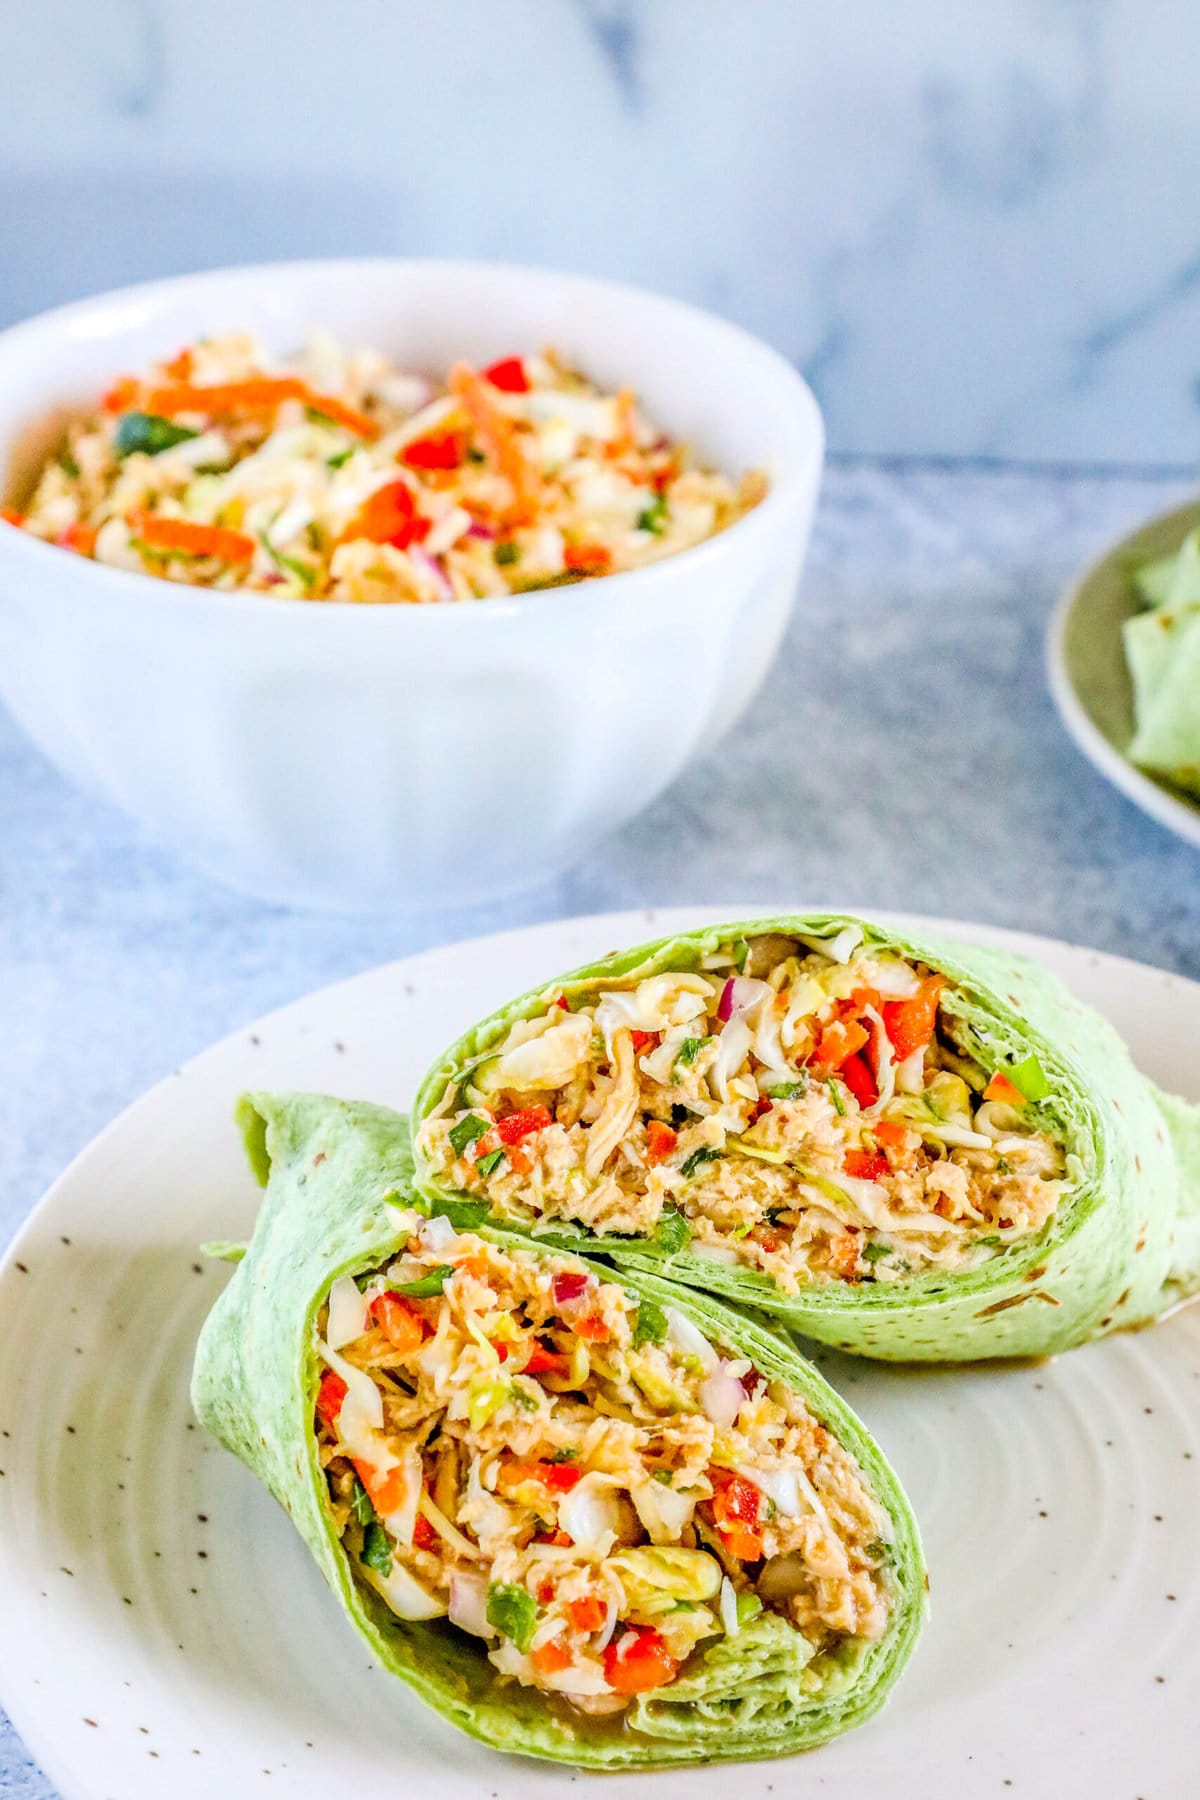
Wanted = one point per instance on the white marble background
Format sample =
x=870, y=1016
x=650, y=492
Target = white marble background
x=975, y=227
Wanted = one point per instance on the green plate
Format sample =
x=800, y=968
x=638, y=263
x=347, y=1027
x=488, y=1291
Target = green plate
x=1088, y=675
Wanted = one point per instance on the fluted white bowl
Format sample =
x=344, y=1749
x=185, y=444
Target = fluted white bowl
x=402, y=756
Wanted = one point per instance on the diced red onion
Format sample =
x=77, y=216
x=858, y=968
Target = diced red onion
x=476, y=530
x=741, y=994
x=568, y=1287
x=721, y=1396
x=468, y=1605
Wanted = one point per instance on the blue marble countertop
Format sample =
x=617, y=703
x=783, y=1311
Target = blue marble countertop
x=904, y=753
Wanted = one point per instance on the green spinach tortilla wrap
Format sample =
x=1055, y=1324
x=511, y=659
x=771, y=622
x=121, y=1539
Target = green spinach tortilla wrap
x=584, y=1515
x=914, y=1150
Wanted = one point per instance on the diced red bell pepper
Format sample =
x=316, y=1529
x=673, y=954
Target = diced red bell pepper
x=587, y=559
x=839, y=1040
x=735, y=1501
x=593, y=1330
x=856, y=1074
x=424, y=1536
x=544, y=1361
x=387, y=1488
x=399, y=1321
x=508, y=375
x=440, y=450
x=762, y=1106
x=910, y=1023
x=559, y=1478
x=642, y=1040
x=660, y=1141
x=866, y=1165
x=637, y=1660
x=891, y=1133
x=522, y=1124
x=330, y=1395
x=551, y=1658
x=587, y=1614
x=388, y=516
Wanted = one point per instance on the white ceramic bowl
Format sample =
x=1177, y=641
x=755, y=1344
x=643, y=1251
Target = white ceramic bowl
x=388, y=757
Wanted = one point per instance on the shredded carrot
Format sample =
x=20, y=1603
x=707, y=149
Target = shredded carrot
x=187, y=538
x=388, y=1488
x=593, y=1330
x=259, y=393
x=500, y=441
x=180, y=367
x=11, y=516
x=345, y=416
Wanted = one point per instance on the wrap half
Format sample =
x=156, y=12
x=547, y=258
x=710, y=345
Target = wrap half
x=583, y=1515
x=911, y=1149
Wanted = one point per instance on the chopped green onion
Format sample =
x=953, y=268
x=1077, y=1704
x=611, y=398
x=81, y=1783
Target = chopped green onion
x=834, y=1094
x=491, y=1161
x=507, y=552
x=879, y=1550
x=377, y=1549
x=705, y=1154
x=513, y=1612
x=672, y=1231
x=654, y=517
x=748, y=1607
x=148, y=433
x=650, y=1326
x=425, y=1287
x=788, y=1090
x=68, y=465
x=741, y=955
x=562, y=1456
x=873, y=1253
x=467, y=1131
x=361, y=1505
x=523, y=1398
x=340, y=458
x=301, y=571
x=663, y=1475
x=1029, y=1079
x=688, y=1051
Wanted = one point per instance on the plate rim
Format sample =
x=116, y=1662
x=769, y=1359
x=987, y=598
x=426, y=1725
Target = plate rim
x=1178, y=815
x=41, y=1744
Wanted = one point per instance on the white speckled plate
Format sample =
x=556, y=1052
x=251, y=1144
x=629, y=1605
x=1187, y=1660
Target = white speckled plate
x=1089, y=678
x=162, y=1633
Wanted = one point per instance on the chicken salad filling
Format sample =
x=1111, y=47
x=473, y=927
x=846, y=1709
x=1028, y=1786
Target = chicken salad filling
x=578, y=1477
x=814, y=1109
x=336, y=475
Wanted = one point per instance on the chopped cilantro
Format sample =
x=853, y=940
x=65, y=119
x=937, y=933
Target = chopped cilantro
x=650, y=1326
x=340, y=458
x=705, y=1154
x=672, y=1231
x=426, y=1286
x=1029, y=1078
x=788, y=1090
x=148, y=433
x=562, y=1456
x=873, y=1253
x=663, y=1475
x=492, y=1160
x=523, y=1398
x=507, y=552
x=992, y=1242
x=879, y=1550
x=68, y=465
x=687, y=1052
x=839, y=1105
x=361, y=1505
x=654, y=517
x=463, y=1214
x=1003, y=1166
x=513, y=1612
x=467, y=1131
x=377, y=1549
